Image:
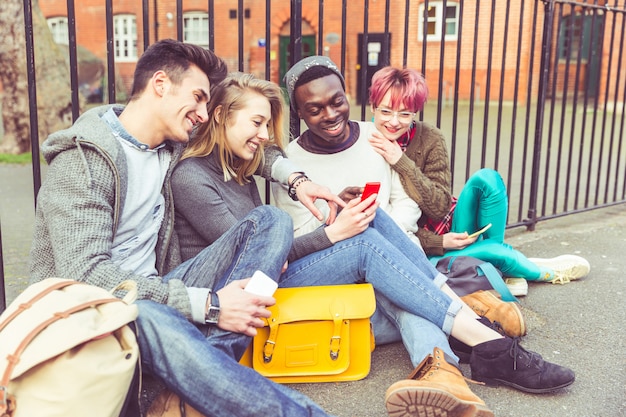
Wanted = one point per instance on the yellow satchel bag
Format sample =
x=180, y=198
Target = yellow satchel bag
x=316, y=334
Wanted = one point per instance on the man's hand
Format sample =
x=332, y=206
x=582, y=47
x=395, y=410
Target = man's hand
x=241, y=311
x=350, y=193
x=452, y=241
x=353, y=219
x=308, y=192
x=388, y=149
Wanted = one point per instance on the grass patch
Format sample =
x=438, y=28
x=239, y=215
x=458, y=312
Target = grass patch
x=24, y=158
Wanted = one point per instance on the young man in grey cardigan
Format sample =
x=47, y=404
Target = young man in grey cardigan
x=105, y=214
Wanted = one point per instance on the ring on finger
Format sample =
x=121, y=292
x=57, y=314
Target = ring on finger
x=365, y=215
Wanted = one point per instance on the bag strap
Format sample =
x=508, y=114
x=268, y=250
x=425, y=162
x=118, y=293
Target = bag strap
x=130, y=286
x=337, y=309
x=270, y=343
x=496, y=281
x=15, y=357
x=28, y=304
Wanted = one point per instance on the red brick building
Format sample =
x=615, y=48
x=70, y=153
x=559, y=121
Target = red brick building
x=464, y=60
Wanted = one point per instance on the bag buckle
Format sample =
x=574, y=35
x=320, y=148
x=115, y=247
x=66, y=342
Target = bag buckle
x=335, y=342
x=268, y=351
x=7, y=402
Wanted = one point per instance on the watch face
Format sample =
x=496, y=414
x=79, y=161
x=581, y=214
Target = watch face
x=292, y=193
x=212, y=315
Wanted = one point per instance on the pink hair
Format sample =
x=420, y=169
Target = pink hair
x=408, y=88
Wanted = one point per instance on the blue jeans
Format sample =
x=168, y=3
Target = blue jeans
x=200, y=364
x=384, y=256
x=419, y=336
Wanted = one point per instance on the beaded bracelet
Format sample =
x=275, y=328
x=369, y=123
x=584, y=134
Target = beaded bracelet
x=299, y=179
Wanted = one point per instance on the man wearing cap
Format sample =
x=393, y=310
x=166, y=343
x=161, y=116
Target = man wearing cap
x=335, y=152
x=334, y=140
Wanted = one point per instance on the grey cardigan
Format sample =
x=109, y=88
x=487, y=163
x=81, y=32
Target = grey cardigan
x=79, y=207
x=207, y=206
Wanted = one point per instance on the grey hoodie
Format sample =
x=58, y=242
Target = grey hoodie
x=78, y=210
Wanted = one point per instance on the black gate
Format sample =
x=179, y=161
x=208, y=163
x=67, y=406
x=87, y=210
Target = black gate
x=537, y=93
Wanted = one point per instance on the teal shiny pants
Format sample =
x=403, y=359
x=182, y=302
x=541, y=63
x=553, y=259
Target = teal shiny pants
x=483, y=200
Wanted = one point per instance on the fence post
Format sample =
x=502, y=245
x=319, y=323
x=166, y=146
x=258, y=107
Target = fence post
x=295, y=53
x=546, y=49
x=3, y=293
x=34, y=130
x=32, y=95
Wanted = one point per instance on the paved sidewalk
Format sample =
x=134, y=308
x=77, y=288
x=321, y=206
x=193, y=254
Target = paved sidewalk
x=579, y=325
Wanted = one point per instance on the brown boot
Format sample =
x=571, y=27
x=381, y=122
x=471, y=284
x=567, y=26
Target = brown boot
x=435, y=388
x=507, y=314
x=168, y=404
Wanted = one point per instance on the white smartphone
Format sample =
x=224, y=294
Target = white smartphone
x=261, y=284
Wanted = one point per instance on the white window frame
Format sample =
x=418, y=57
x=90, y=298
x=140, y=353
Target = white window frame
x=437, y=20
x=196, y=28
x=59, y=29
x=125, y=37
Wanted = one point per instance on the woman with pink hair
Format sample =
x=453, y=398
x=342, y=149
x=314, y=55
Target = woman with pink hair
x=417, y=151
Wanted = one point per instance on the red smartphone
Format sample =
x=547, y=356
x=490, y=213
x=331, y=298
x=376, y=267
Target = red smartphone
x=370, y=188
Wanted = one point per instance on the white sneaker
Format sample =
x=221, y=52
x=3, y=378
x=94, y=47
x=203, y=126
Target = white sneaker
x=566, y=268
x=517, y=286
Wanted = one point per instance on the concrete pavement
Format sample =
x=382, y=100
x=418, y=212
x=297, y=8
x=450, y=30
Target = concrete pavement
x=580, y=325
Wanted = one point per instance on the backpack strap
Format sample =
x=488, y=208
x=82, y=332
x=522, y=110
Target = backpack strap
x=28, y=304
x=496, y=281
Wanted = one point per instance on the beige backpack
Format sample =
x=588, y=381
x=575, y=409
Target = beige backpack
x=66, y=350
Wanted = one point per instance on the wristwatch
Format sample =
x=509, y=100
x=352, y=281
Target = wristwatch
x=212, y=314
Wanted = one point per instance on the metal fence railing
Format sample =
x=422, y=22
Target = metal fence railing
x=532, y=88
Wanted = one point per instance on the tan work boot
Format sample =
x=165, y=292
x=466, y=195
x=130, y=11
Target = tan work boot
x=168, y=404
x=507, y=314
x=435, y=389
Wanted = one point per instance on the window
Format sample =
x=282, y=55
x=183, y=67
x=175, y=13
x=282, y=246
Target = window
x=571, y=38
x=58, y=27
x=125, y=37
x=436, y=18
x=196, y=28
x=232, y=13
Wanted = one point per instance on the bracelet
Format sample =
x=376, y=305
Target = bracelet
x=300, y=175
x=299, y=179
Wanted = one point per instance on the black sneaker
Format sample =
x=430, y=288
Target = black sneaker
x=504, y=361
x=464, y=351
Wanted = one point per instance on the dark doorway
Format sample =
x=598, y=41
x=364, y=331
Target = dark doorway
x=580, y=37
x=308, y=49
x=376, y=57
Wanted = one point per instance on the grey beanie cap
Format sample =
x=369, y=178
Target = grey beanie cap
x=292, y=76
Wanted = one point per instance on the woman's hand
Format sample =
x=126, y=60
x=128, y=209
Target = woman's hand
x=241, y=311
x=388, y=149
x=353, y=219
x=452, y=241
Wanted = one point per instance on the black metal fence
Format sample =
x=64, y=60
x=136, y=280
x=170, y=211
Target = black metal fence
x=534, y=89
